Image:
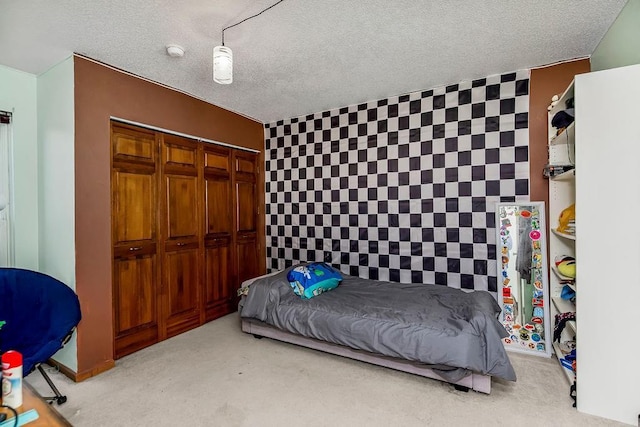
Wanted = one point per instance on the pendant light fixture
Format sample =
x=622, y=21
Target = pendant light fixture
x=223, y=56
x=222, y=65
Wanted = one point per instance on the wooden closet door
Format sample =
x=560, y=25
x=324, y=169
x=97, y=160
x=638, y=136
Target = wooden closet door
x=246, y=215
x=181, y=265
x=218, y=223
x=135, y=242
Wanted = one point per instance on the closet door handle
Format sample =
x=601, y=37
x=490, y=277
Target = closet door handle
x=137, y=248
x=181, y=244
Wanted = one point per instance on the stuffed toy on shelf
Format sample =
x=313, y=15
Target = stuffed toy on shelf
x=566, y=222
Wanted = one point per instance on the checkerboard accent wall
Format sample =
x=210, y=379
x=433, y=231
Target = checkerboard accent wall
x=401, y=189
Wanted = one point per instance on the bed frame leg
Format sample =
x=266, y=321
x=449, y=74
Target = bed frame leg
x=461, y=388
x=256, y=336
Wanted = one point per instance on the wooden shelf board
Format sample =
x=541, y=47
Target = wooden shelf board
x=563, y=235
x=565, y=176
x=569, y=374
x=564, y=137
x=573, y=326
x=563, y=305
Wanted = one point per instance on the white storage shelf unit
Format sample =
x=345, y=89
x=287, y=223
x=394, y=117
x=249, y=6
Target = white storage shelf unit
x=562, y=189
x=607, y=185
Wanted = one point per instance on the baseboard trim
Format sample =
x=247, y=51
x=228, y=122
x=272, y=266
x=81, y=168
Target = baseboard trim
x=105, y=366
x=81, y=376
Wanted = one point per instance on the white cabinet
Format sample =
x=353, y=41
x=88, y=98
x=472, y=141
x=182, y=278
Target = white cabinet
x=607, y=241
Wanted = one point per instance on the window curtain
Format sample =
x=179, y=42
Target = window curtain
x=6, y=246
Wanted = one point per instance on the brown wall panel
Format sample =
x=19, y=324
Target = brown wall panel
x=546, y=82
x=100, y=93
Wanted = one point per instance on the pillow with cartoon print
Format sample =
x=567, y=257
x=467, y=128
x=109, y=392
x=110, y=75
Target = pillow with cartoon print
x=312, y=279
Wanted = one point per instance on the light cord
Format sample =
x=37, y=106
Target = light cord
x=15, y=415
x=246, y=19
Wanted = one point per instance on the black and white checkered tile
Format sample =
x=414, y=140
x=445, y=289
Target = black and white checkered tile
x=402, y=189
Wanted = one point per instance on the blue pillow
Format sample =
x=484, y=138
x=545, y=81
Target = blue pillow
x=313, y=279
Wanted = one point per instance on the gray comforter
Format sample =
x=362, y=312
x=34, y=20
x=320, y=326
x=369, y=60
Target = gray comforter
x=431, y=324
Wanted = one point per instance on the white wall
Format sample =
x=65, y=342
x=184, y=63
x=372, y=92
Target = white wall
x=621, y=45
x=18, y=95
x=56, y=201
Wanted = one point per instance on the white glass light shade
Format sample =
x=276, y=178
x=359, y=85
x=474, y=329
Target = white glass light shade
x=222, y=65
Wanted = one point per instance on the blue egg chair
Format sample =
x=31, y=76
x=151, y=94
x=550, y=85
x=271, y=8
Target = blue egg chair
x=41, y=314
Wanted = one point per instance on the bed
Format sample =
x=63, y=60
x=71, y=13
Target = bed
x=429, y=330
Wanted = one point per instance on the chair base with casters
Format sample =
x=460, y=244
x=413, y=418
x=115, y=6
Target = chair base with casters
x=41, y=314
x=58, y=398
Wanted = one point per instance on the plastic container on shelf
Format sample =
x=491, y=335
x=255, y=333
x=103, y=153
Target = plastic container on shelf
x=12, y=379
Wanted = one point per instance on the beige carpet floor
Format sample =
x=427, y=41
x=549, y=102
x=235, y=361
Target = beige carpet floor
x=216, y=375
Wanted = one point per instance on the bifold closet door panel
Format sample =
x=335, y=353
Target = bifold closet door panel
x=219, y=297
x=246, y=193
x=246, y=170
x=217, y=196
x=184, y=233
x=134, y=210
x=181, y=271
x=181, y=192
x=218, y=224
x=135, y=239
x=134, y=268
x=133, y=183
x=135, y=308
x=246, y=215
x=247, y=258
x=133, y=145
x=180, y=231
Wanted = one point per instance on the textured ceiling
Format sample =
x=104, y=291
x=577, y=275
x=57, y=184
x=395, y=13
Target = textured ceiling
x=304, y=56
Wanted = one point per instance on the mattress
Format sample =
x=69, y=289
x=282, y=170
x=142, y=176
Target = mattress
x=430, y=324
